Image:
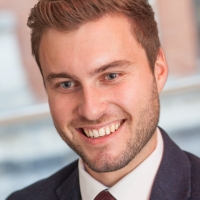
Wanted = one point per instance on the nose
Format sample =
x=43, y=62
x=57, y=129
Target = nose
x=92, y=103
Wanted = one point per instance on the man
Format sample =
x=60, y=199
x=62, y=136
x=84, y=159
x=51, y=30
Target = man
x=103, y=69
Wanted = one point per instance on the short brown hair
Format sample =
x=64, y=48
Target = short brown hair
x=68, y=15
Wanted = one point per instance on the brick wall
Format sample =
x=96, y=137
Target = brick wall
x=178, y=35
x=21, y=9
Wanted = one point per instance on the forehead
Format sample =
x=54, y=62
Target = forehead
x=92, y=44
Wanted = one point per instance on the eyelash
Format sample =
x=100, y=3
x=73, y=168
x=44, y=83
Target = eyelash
x=73, y=83
x=67, y=82
x=62, y=83
x=115, y=76
x=106, y=76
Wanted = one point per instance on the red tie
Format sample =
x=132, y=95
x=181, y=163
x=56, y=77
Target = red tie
x=104, y=195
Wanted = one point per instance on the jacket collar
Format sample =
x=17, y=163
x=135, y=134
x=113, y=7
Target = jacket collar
x=173, y=179
x=70, y=188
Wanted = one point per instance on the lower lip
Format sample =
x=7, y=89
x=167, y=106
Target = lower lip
x=103, y=139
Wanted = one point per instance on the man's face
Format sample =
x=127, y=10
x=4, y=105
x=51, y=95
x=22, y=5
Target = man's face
x=102, y=94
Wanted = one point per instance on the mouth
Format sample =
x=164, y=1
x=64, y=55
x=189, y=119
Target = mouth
x=103, y=131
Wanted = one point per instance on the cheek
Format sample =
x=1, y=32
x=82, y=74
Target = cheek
x=129, y=96
x=61, y=108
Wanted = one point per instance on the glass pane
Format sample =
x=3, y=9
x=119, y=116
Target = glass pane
x=30, y=148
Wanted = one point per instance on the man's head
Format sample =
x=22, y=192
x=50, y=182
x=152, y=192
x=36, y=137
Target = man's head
x=69, y=15
x=102, y=92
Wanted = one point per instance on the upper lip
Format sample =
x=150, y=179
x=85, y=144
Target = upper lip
x=99, y=125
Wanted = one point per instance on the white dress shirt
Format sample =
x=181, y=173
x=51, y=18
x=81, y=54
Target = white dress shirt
x=136, y=185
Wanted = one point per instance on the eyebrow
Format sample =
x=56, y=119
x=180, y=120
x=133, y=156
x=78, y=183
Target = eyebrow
x=52, y=76
x=114, y=64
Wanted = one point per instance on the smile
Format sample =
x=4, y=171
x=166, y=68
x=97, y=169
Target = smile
x=103, y=131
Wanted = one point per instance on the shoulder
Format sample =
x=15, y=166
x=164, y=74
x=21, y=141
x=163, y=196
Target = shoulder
x=178, y=176
x=195, y=175
x=45, y=188
x=195, y=162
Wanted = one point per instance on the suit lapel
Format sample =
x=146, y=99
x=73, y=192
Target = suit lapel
x=172, y=182
x=173, y=179
x=70, y=189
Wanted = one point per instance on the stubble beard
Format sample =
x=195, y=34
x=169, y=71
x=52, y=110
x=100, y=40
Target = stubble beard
x=145, y=128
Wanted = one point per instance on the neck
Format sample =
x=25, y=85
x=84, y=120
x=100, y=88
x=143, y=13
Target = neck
x=111, y=178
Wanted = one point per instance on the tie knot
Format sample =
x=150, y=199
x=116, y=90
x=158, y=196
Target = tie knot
x=104, y=195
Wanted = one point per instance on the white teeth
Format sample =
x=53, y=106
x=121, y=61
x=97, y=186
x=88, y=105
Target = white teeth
x=87, y=133
x=112, y=129
x=102, y=131
x=117, y=126
x=91, y=134
x=96, y=134
x=107, y=130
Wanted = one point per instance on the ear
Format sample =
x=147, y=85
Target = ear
x=160, y=70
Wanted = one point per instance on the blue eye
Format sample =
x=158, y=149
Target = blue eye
x=111, y=76
x=67, y=84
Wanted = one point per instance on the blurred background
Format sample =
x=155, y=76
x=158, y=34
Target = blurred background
x=30, y=148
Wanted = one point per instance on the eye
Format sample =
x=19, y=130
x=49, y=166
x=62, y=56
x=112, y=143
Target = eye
x=67, y=84
x=111, y=76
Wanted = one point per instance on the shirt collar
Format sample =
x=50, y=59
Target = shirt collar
x=135, y=185
x=89, y=186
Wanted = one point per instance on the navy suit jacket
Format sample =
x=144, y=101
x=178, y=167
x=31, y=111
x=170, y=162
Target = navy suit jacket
x=178, y=178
